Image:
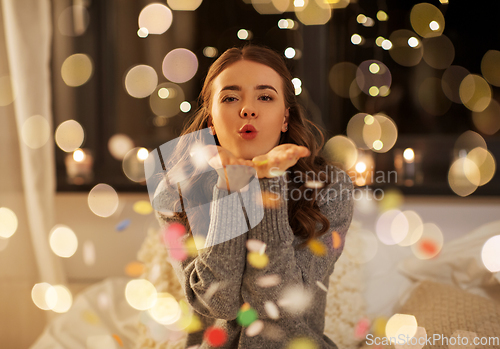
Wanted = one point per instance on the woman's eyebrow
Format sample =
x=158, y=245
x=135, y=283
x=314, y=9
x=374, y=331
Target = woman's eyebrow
x=238, y=88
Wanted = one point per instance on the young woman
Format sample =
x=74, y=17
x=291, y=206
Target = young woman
x=272, y=211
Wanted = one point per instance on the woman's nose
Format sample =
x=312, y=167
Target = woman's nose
x=248, y=112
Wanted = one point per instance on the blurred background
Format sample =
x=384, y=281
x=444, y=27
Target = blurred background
x=406, y=93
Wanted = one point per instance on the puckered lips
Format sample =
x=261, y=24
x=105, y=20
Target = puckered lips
x=248, y=132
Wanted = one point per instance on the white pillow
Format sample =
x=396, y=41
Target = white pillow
x=459, y=263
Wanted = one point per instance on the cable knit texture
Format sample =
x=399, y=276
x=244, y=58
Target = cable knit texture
x=223, y=265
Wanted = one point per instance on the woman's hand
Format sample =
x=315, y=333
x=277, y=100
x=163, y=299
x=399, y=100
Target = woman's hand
x=279, y=159
x=231, y=178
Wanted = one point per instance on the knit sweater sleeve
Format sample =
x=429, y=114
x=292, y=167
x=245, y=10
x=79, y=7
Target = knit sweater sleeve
x=297, y=270
x=211, y=280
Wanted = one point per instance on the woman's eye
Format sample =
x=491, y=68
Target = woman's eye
x=266, y=98
x=228, y=99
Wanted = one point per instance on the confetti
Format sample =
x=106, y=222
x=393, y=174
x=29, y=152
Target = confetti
x=143, y=207
x=271, y=310
x=257, y=260
x=361, y=328
x=246, y=315
x=322, y=286
x=134, y=269
x=260, y=163
x=337, y=240
x=428, y=247
x=215, y=336
x=123, y=225
x=302, y=343
x=268, y=280
x=255, y=245
x=379, y=326
x=295, y=299
x=317, y=247
x=172, y=239
x=118, y=340
x=255, y=328
x=90, y=317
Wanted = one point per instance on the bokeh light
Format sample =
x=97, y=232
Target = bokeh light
x=415, y=228
x=210, y=51
x=381, y=134
x=35, y=131
x=341, y=76
x=475, y=92
x=488, y=120
x=6, y=92
x=42, y=295
x=69, y=135
x=356, y=39
x=184, y=5
x=392, y=227
x=103, y=200
x=382, y=16
x=270, y=6
x=133, y=165
x=490, y=67
x=63, y=241
x=156, y=18
x=367, y=77
x=63, y=299
x=8, y=222
x=77, y=69
x=244, y=34
x=439, y=52
x=427, y=20
x=490, y=254
x=119, y=145
x=170, y=105
x=468, y=141
x=485, y=163
x=185, y=107
x=342, y=151
x=314, y=13
x=140, y=294
x=401, y=324
x=166, y=309
x=451, y=80
x=141, y=81
x=88, y=253
x=430, y=243
x=460, y=174
x=180, y=65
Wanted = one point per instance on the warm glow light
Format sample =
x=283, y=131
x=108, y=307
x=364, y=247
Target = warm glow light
x=360, y=167
x=409, y=155
x=290, y=53
x=63, y=241
x=35, y=131
x=361, y=19
x=69, y=135
x=142, y=154
x=382, y=16
x=356, y=39
x=386, y=44
x=401, y=324
x=379, y=40
x=369, y=119
x=413, y=42
x=8, y=223
x=490, y=254
x=434, y=25
x=374, y=68
x=119, y=145
x=299, y=3
x=77, y=69
x=243, y=34
x=156, y=18
x=103, y=200
x=210, y=51
x=140, y=294
x=296, y=82
x=78, y=155
x=141, y=81
x=373, y=91
x=180, y=65
x=185, y=107
x=377, y=145
x=142, y=32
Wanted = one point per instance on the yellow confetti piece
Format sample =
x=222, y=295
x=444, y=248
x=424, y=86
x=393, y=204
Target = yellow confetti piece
x=90, y=317
x=257, y=260
x=317, y=247
x=143, y=207
x=191, y=323
x=302, y=343
x=191, y=243
x=134, y=269
x=337, y=240
x=379, y=326
x=245, y=306
x=118, y=339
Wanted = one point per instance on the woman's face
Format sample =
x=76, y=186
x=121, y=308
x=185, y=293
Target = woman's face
x=251, y=93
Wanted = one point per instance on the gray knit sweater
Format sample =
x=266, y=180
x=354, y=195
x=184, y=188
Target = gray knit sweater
x=223, y=264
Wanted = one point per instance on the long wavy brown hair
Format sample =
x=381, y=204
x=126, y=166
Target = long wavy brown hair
x=303, y=213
